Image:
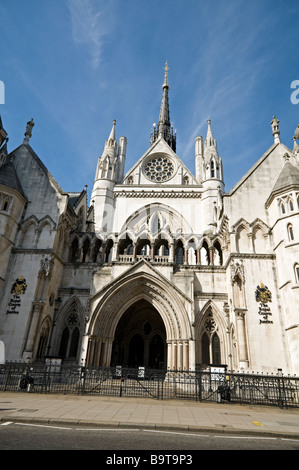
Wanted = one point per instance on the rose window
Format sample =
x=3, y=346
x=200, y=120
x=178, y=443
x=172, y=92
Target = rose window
x=159, y=169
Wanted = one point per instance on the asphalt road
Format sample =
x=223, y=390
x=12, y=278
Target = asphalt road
x=20, y=436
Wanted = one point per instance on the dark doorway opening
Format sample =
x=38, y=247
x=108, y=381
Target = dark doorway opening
x=140, y=338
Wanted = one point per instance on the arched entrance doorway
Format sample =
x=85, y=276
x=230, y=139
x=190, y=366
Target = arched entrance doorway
x=140, y=338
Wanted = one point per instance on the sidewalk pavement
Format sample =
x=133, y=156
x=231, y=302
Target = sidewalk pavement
x=147, y=413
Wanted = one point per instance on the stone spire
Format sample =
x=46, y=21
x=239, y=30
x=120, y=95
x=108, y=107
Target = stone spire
x=108, y=161
x=164, y=128
x=210, y=141
x=28, y=132
x=111, y=140
x=164, y=124
x=212, y=161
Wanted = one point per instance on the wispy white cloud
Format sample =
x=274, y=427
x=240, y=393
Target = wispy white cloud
x=230, y=67
x=89, y=27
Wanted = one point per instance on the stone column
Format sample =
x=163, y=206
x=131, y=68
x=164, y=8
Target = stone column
x=107, y=352
x=171, y=253
x=211, y=255
x=91, y=350
x=152, y=251
x=169, y=355
x=233, y=242
x=186, y=355
x=180, y=355
x=114, y=251
x=250, y=242
x=191, y=354
x=185, y=255
x=103, y=252
x=242, y=341
x=97, y=352
x=34, y=323
x=84, y=349
x=134, y=251
x=174, y=356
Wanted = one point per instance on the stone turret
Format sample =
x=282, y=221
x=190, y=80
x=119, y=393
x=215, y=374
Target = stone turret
x=212, y=171
x=110, y=170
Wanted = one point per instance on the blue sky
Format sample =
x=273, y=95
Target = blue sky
x=75, y=65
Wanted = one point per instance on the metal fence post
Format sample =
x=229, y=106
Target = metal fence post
x=199, y=386
x=82, y=379
x=280, y=397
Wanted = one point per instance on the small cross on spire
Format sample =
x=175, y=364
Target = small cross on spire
x=166, y=68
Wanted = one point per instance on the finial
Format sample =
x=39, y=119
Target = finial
x=295, y=138
x=166, y=68
x=28, y=132
x=3, y=134
x=112, y=133
x=275, y=129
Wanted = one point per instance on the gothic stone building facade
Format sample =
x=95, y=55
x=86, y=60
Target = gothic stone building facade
x=162, y=268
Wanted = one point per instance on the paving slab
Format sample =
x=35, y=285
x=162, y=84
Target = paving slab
x=148, y=413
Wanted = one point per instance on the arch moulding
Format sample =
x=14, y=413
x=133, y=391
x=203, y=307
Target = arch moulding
x=108, y=307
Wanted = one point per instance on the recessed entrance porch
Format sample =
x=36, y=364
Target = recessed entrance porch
x=140, y=338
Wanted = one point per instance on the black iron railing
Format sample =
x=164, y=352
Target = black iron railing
x=260, y=389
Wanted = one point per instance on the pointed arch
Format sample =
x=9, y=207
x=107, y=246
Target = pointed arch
x=97, y=251
x=290, y=231
x=191, y=251
x=161, y=247
x=120, y=297
x=108, y=306
x=42, y=343
x=29, y=231
x=242, y=229
x=210, y=334
x=74, y=253
x=205, y=253
x=44, y=236
x=69, y=329
x=218, y=255
x=125, y=246
x=86, y=245
x=179, y=252
x=143, y=247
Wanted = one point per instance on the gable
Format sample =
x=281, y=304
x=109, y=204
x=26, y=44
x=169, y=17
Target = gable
x=141, y=269
x=159, y=165
x=40, y=188
x=249, y=196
